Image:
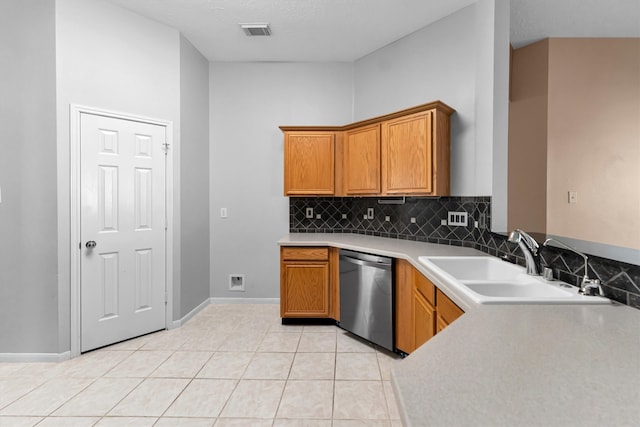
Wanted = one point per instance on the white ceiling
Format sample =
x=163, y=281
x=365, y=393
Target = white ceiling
x=345, y=30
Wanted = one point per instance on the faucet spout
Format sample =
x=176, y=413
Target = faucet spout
x=587, y=286
x=529, y=248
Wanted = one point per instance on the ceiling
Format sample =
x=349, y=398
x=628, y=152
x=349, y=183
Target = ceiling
x=345, y=30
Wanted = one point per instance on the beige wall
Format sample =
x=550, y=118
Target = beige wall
x=594, y=140
x=527, y=172
x=575, y=115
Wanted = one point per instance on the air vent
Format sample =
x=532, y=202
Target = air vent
x=256, y=29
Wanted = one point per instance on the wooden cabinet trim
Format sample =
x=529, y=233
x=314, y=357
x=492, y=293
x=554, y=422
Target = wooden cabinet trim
x=292, y=253
x=446, y=308
x=435, y=105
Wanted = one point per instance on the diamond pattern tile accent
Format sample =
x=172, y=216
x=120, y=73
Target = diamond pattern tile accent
x=621, y=281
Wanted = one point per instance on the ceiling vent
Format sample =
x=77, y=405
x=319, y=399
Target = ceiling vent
x=256, y=29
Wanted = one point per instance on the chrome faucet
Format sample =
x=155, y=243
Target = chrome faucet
x=529, y=247
x=587, y=286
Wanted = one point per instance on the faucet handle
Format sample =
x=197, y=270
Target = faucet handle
x=591, y=287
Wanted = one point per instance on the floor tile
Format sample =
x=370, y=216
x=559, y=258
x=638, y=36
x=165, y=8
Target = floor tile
x=185, y=422
x=277, y=326
x=307, y=400
x=254, y=399
x=313, y=366
x=348, y=343
x=126, y=422
x=69, y=421
x=275, y=342
x=19, y=421
x=361, y=423
x=357, y=366
x=386, y=362
x=182, y=364
x=209, y=341
x=392, y=406
x=226, y=365
x=94, y=364
x=269, y=366
x=151, y=398
x=47, y=398
x=281, y=422
x=320, y=328
x=99, y=398
x=11, y=389
x=362, y=400
x=202, y=398
x=317, y=342
x=242, y=342
x=166, y=340
x=243, y=422
x=139, y=365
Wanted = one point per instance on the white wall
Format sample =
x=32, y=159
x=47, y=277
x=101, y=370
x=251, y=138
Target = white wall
x=194, y=178
x=28, y=227
x=437, y=62
x=112, y=59
x=248, y=103
x=451, y=60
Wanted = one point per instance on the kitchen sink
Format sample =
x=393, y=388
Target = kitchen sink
x=489, y=280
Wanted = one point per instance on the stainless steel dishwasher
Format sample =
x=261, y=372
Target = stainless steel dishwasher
x=366, y=296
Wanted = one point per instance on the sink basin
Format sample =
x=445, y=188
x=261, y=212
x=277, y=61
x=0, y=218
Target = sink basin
x=524, y=290
x=477, y=268
x=489, y=280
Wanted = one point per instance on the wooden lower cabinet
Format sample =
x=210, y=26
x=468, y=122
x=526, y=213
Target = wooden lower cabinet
x=447, y=311
x=422, y=310
x=306, y=282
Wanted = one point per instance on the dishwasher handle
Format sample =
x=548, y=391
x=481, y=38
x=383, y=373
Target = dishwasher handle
x=379, y=264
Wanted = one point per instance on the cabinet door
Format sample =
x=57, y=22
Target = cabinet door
x=447, y=310
x=304, y=289
x=361, y=170
x=309, y=163
x=423, y=319
x=404, y=298
x=407, y=155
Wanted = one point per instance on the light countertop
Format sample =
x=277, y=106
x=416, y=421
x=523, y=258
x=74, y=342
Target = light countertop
x=511, y=365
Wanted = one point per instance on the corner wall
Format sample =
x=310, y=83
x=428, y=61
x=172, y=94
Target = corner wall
x=194, y=179
x=437, y=62
x=28, y=224
x=248, y=103
x=111, y=59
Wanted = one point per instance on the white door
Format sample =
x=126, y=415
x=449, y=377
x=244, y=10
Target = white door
x=122, y=199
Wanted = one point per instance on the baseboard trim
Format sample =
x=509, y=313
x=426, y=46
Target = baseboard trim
x=213, y=300
x=178, y=323
x=35, y=357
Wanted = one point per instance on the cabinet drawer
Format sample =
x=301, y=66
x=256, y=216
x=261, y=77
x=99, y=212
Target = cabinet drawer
x=425, y=287
x=304, y=254
x=446, y=308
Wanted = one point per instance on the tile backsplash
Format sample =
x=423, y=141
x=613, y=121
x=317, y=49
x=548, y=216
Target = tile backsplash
x=420, y=219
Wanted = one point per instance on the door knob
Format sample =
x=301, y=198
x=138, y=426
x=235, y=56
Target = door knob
x=91, y=244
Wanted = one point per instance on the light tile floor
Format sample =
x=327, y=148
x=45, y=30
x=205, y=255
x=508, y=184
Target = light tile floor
x=230, y=365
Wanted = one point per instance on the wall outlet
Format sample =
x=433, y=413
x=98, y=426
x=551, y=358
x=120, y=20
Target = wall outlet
x=369, y=213
x=236, y=282
x=457, y=219
x=309, y=213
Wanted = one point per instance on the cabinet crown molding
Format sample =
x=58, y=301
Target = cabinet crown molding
x=435, y=105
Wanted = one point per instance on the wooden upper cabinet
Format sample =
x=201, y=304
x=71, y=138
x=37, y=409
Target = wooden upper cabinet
x=361, y=161
x=403, y=153
x=407, y=155
x=309, y=163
